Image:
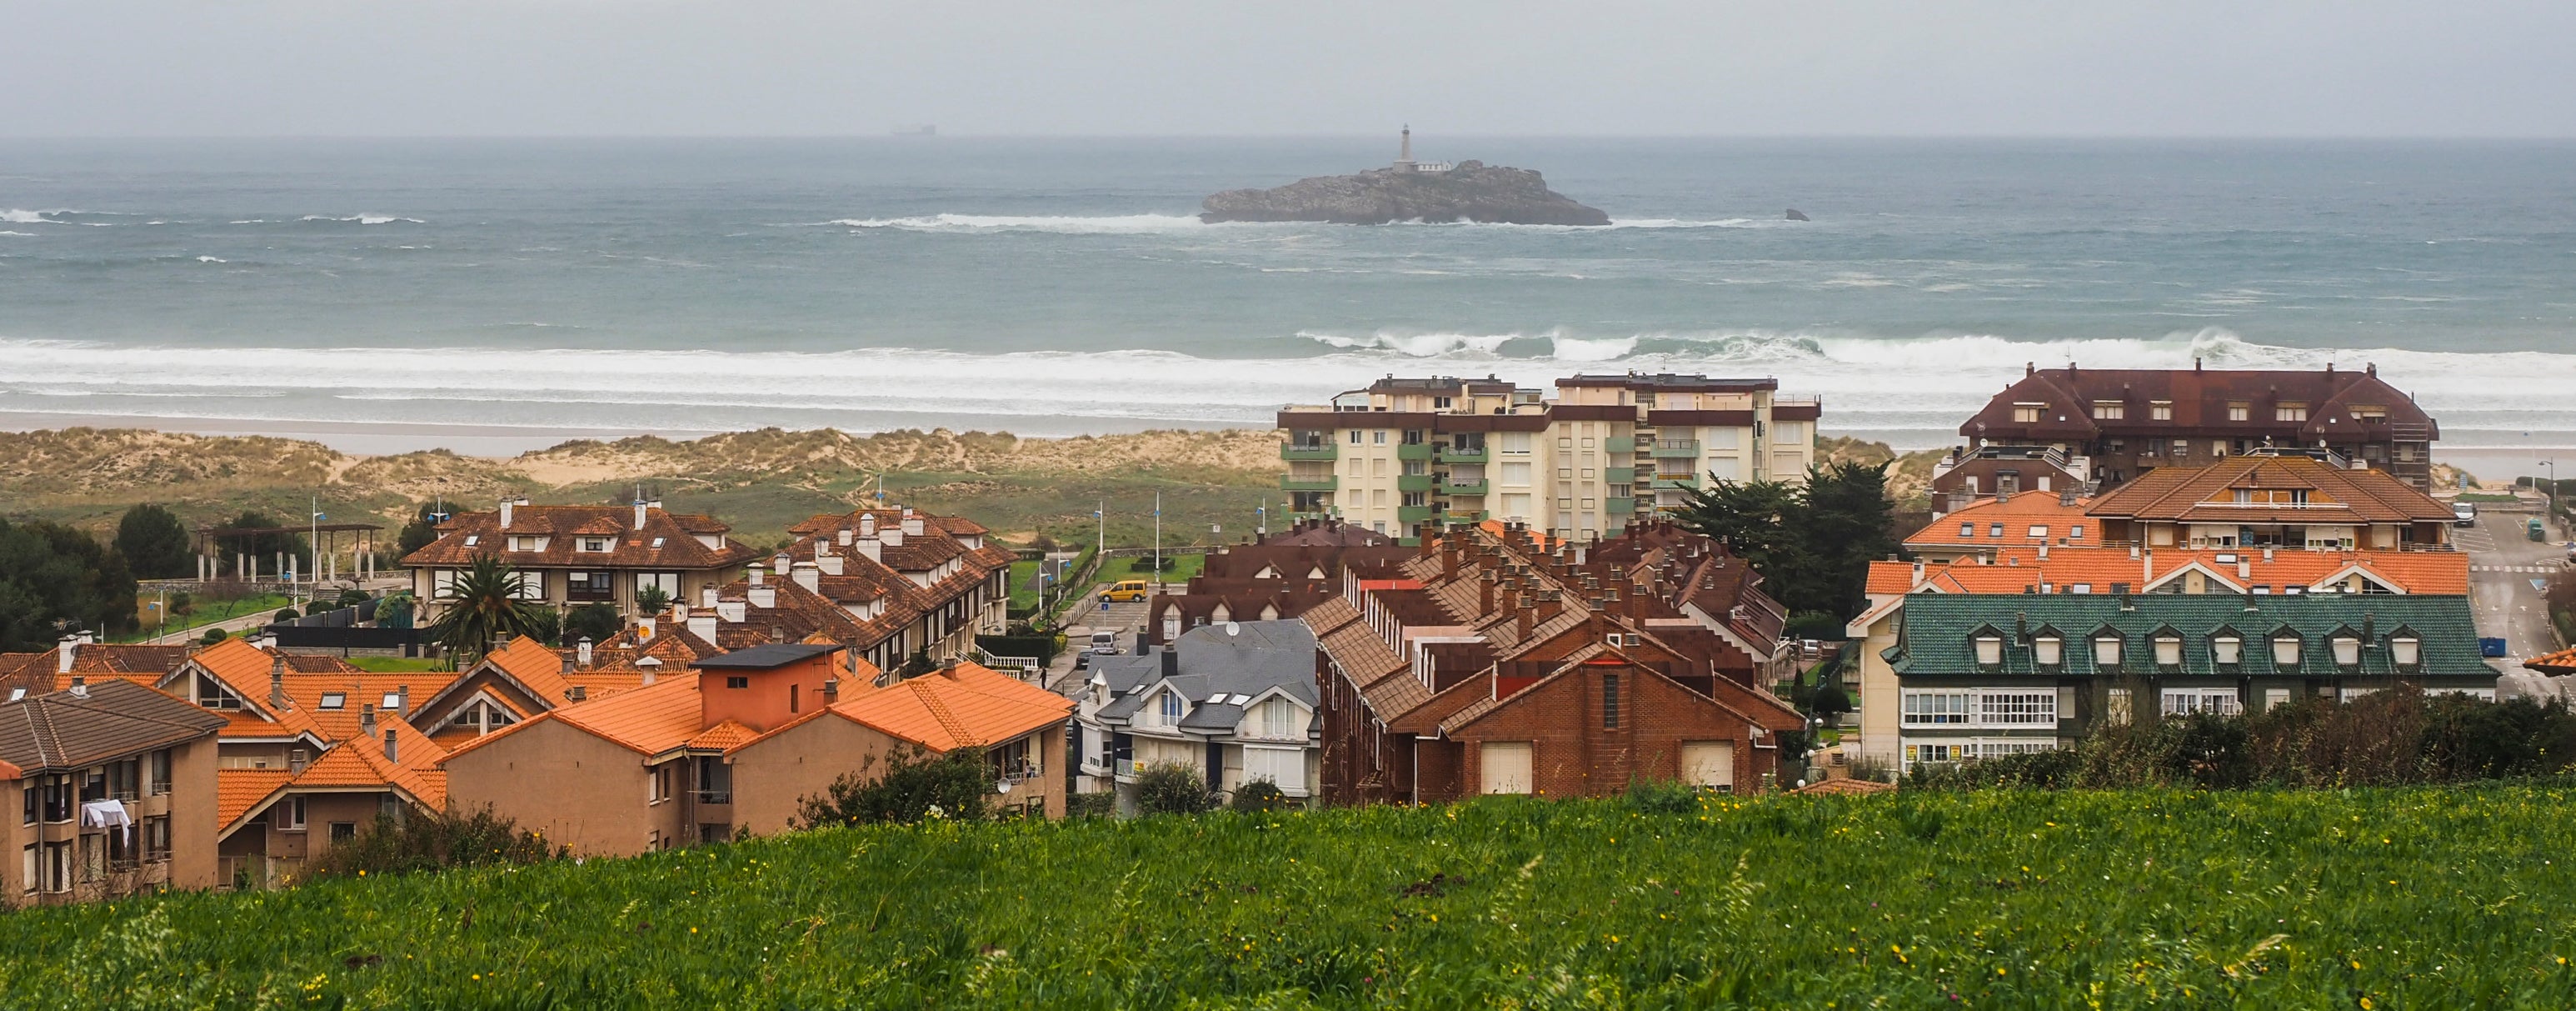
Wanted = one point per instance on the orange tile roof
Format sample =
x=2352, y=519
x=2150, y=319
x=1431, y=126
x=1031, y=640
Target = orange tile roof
x=2561, y=662
x=648, y=720
x=965, y=705
x=723, y=735
x=2187, y=494
x=238, y=791
x=2018, y=514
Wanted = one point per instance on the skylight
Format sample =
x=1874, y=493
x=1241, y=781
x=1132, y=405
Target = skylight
x=392, y=700
x=335, y=700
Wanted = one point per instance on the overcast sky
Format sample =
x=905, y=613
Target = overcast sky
x=1212, y=67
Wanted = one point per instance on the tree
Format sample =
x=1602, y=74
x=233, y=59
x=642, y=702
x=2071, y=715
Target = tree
x=55, y=580
x=213, y=635
x=422, y=529
x=917, y=784
x=652, y=600
x=1172, y=788
x=1812, y=544
x=595, y=622
x=154, y=543
x=484, y=609
x=395, y=611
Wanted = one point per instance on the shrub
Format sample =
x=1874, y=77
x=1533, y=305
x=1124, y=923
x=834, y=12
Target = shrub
x=429, y=842
x=212, y=636
x=1172, y=788
x=1260, y=795
x=1091, y=805
x=284, y=615
x=595, y=622
x=917, y=784
x=1662, y=796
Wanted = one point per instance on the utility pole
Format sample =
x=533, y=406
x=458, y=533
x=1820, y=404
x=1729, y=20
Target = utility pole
x=1158, y=541
x=313, y=548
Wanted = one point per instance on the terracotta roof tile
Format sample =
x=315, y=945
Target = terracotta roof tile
x=965, y=705
x=665, y=541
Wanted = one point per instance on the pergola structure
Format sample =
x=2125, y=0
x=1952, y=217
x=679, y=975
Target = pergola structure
x=327, y=549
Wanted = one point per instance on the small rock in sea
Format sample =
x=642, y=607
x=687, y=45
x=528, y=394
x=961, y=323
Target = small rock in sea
x=1797, y=215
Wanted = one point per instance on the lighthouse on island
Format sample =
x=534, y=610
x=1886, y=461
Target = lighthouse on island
x=1404, y=162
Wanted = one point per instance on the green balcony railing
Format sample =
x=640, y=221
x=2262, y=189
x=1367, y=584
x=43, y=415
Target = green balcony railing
x=1410, y=515
x=1619, y=475
x=1415, y=482
x=1294, y=482
x=1676, y=449
x=1455, y=516
x=1413, y=451
x=1455, y=486
x=1676, y=482
x=1309, y=451
x=1620, y=444
x=1463, y=454
x=1622, y=505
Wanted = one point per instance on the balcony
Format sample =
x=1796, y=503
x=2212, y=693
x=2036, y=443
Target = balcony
x=1619, y=444
x=1676, y=449
x=1410, y=515
x=1415, y=482
x=1463, y=486
x=1316, y=516
x=1619, y=475
x=1676, y=482
x=715, y=796
x=1309, y=451
x=1413, y=451
x=1309, y=482
x=1463, y=454
x=1619, y=506
x=1455, y=516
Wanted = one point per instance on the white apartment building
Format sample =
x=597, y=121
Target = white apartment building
x=1407, y=451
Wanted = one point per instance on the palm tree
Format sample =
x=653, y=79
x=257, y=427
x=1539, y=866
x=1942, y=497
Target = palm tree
x=484, y=608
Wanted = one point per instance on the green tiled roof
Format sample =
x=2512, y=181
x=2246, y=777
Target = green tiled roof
x=1939, y=632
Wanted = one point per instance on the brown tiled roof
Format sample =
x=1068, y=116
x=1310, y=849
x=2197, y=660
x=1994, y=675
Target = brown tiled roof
x=68, y=730
x=799, y=614
x=665, y=541
x=2183, y=494
x=2199, y=401
x=2018, y=513
x=2103, y=570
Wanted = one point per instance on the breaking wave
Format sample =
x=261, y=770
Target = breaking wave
x=363, y=219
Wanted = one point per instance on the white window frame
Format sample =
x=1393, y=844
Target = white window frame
x=2216, y=701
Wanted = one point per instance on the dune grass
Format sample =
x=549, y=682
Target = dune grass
x=2432, y=897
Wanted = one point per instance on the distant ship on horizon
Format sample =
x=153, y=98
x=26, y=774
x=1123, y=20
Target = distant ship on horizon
x=917, y=130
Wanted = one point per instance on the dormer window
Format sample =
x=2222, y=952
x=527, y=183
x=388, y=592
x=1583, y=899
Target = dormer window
x=2407, y=650
x=211, y=694
x=2106, y=652
x=599, y=544
x=2168, y=650
x=1968, y=530
x=519, y=543
x=1995, y=530
x=2285, y=651
x=2048, y=650
x=2228, y=650
x=1990, y=651
x=1171, y=707
x=2347, y=650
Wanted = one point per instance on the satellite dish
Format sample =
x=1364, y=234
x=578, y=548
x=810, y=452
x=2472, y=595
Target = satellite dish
x=1234, y=628
x=1002, y=787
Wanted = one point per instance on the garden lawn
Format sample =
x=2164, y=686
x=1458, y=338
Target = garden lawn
x=397, y=664
x=2149, y=899
x=1183, y=567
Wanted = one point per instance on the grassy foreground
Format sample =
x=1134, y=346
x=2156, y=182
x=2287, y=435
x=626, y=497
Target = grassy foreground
x=2363, y=899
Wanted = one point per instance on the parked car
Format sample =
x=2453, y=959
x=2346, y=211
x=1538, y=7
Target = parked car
x=1126, y=589
x=2464, y=514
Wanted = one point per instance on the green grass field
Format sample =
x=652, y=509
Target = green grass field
x=396, y=664
x=206, y=612
x=1121, y=567
x=2327, y=899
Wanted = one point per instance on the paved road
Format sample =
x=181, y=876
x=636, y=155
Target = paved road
x=2506, y=572
x=1121, y=617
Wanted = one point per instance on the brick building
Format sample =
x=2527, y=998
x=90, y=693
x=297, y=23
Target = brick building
x=114, y=788
x=1499, y=661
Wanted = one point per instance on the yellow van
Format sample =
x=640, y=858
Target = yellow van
x=1125, y=589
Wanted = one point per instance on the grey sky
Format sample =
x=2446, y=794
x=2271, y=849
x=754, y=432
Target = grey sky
x=1204, y=67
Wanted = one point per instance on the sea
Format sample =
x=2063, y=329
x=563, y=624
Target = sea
x=496, y=295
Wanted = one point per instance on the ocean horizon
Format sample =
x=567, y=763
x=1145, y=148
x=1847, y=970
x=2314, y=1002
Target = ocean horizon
x=486, y=294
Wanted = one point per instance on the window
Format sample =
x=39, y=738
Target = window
x=2049, y=650
x=737, y=681
x=2407, y=650
x=2285, y=651
x=1995, y=530
x=2290, y=412
x=27, y=869
x=390, y=702
x=1990, y=651
x=125, y=779
x=2110, y=410
x=27, y=794
x=2017, y=709
x=1610, y=702
x=2228, y=650
x=715, y=780
x=1378, y=437
x=593, y=544
x=1516, y=443
x=2075, y=533
x=335, y=700
x=290, y=815
x=2106, y=652
x=2239, y=411
x=659, y=786
x=2168, y=651
x=2347, y=651
x=1937, y=708
x=1968, y=531
x=2038, y=532
x=1279, y=719
x=1516, y=473
x=211, y=694
x=1355, y=436
x=2161, y=410
x=1170, y=706
x=2215, y=701
x=795, y=698
x=2028, y=414
x=343, y=831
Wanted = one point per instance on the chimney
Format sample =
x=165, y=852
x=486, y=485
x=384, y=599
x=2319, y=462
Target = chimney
x=2043, y=551
x=581, y=650
x=277, y=682
x=639, y=514
x=869, y=545
x=367, y=718
x=778, y=564
x=843, y=537
x=65, y=652
x=867, y=524
x=911, y=524
x=807, y=575
x=2267, y=556
x=577, y=693
x=567, y=661
x=764, y=596
x=757, y=573
x=2244, y=568
x=80, y=687
x=505, y=513
x=832, y=565
x=1528, y=615
x=650, y=666
x=892, y=536
x=707, y=596
x=392, y=753
x=643, y=630
x=731, y=610
x=1172, y=659
x=703, y=626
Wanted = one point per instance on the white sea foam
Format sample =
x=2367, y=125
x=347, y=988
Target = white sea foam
x=22, y=235
x=1912, y=391
x=212, y=259
x=1122, y=224
x=363, y=219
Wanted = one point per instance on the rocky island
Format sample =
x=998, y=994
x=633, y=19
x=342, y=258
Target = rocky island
x=1409, y=191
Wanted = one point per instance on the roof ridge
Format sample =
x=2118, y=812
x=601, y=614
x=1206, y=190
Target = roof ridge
x=947, y=720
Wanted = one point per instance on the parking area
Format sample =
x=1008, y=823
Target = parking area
x=2508, y=571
